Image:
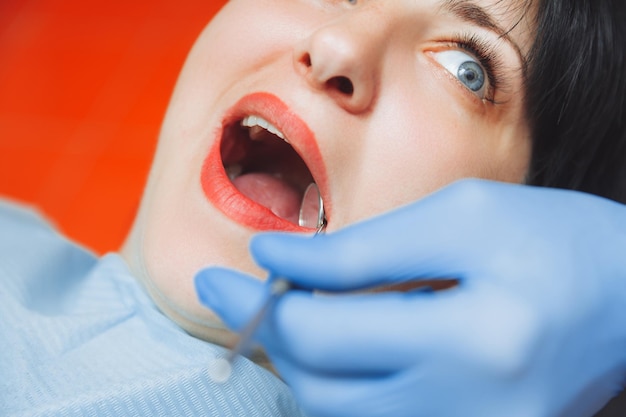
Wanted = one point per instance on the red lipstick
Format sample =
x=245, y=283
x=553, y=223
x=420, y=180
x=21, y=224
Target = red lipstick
x=218, y=187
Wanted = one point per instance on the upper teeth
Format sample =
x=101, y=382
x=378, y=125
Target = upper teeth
x=252, y=121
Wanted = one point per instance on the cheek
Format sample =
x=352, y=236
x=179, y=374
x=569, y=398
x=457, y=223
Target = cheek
x=446, y=139
x=243, y=38
x=415, y=152
x=247, y=34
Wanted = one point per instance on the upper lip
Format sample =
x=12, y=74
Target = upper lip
x=295, y=131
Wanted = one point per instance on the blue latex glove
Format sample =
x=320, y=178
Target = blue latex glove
x=536, y=327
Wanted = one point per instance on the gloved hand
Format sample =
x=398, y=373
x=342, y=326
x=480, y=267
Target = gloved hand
x=536, y=326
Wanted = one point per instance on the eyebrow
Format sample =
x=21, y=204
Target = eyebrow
x=470, y=12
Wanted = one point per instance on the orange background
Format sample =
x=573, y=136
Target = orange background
x=83, y=88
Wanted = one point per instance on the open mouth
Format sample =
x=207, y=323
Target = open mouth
x=255, y=173
x=264, y=167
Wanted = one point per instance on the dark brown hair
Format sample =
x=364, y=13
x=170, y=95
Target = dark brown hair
x=576, y=92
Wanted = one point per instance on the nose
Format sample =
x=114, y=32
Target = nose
x=343, y=60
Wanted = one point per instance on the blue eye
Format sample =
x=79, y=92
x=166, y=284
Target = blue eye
x=464, y=67
x=472, y=75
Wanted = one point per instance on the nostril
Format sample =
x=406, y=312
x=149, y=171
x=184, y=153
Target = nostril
x=338, y=83
x=306, y=60
x=342, y=84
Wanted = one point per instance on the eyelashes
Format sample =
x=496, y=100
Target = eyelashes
x=488, y=57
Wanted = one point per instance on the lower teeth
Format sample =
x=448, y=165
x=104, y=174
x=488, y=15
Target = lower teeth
x=233, y=171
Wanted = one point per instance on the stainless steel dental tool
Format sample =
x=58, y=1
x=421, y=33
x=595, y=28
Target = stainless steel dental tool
x=312, y=213
x=312, y=216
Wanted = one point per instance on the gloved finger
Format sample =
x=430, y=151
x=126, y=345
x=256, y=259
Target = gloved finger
x=381, y=333
x=350, y=334
x=333, y=327
x=233, y=296
x=332, y=395
x=446, y=235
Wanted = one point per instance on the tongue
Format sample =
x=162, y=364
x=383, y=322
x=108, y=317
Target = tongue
x=275, y=194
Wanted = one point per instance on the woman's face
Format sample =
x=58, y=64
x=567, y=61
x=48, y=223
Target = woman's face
x=385, y=101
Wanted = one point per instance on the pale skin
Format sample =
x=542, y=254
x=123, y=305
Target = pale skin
x=375, y=107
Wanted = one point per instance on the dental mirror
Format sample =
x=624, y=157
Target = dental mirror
x=312, y=209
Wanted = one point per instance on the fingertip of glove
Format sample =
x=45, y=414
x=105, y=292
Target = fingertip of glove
x=272, y=243
x=205, y=289
x=266, y=246
x=264, y=240
x=232, y=295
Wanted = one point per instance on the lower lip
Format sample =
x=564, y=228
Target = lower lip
x=219, y=189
